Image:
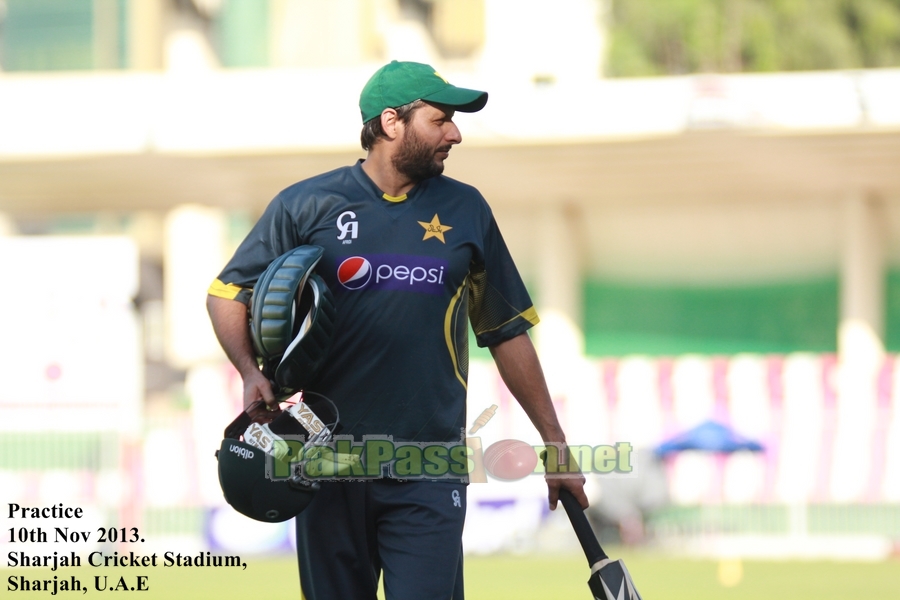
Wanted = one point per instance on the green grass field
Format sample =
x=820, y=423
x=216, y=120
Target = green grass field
x=530, y=577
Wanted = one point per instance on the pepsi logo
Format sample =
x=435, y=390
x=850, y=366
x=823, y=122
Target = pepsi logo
x=392, y=272
x=354, y=273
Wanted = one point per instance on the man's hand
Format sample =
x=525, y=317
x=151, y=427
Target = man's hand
x=257, y=387
x=570, y=481
x=561, y=471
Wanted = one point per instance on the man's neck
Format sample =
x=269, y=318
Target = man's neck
x=382, y=172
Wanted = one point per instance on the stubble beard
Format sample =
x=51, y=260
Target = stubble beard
x=415, y=159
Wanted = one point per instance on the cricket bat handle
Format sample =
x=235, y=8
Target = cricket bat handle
x=582, y=527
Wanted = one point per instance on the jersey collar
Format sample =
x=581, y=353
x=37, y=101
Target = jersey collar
x=366, y=182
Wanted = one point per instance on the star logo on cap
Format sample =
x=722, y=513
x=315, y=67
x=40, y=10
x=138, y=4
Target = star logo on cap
x=435, y=229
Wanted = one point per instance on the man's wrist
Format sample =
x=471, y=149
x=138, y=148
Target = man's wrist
x=248, y=369
x=559, y=462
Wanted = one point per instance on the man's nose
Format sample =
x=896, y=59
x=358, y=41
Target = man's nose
x=453, y=135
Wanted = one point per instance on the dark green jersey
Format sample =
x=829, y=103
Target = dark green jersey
x=407, y=275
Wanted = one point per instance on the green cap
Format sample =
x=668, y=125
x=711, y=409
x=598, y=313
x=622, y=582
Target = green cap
x=400, y=83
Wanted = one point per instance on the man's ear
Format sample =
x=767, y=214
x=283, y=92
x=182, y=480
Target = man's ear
x=390, y=124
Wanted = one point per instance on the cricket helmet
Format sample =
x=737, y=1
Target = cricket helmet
x=263, y=480
x=246, y=487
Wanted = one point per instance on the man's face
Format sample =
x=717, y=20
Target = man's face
x=426, y=142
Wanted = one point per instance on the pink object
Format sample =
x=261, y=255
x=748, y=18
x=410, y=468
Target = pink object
x=510, y=460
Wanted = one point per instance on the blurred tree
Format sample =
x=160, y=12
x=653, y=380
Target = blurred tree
x=655, y=37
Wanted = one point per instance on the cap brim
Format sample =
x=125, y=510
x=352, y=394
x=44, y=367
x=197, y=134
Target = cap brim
x=461, y=99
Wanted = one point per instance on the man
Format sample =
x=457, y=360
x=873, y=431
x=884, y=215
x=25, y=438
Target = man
x=409, y=254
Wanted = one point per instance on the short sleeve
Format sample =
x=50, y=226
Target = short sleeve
x=499, y=305
x=273, y=235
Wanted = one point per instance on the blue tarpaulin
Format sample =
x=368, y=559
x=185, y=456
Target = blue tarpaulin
x=709, y=436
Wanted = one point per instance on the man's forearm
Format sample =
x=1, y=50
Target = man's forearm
x=229, y=321
x=521, y=371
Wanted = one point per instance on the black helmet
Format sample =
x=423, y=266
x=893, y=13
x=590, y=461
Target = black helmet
x=242, y=475
x=269, y=486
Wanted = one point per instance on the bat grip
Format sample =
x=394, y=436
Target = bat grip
x=582, y=527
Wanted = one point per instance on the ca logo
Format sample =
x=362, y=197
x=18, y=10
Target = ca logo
x=346, y=227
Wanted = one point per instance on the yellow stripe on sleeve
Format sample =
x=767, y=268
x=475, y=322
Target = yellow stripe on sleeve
x=529, y=315
x=229, y=291
x=449, y=317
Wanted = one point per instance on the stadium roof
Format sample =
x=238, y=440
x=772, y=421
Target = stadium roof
x=97, y=141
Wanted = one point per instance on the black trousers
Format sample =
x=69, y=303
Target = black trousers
x=411, y=531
